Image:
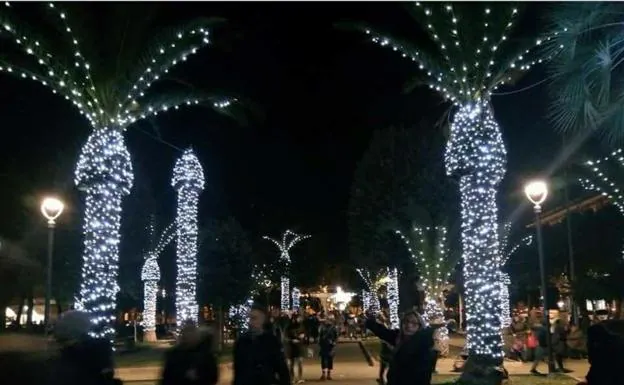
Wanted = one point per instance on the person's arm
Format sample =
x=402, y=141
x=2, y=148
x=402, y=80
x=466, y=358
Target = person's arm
x=381, y=331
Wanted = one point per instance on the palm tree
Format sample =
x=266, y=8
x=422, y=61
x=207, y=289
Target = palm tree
x=111, y=83
x=476, y=49
x=150, y=275
x=507, y=251
x=435, y=264
x=586, y=92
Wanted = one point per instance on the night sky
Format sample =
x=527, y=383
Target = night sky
x=322, y=92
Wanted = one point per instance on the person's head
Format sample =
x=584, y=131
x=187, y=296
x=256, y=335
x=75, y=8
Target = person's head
x=411, y=323
x=257, y=318
x=72, y=327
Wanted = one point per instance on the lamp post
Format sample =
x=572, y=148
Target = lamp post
x=51, y=208
x=537, y=192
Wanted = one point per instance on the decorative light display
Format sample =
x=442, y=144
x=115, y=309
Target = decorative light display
x=104, y=173
x=435, y=267
x=466, y=72
x=504, y=279
x=366, y=300
x=601, y=182
x=150, y=275
x=373, y=283
x=296, y=299
x=239, y=314
x=434, y=315
x=289, y=239
x=341, y=298
x=188, y=180
x=393, y=297
x=104, y=170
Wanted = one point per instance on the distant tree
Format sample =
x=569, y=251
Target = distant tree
x=225, y=263
x=401, y=167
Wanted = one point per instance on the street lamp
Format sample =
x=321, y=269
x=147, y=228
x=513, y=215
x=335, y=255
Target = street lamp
x=537, y=192
x=51, y=208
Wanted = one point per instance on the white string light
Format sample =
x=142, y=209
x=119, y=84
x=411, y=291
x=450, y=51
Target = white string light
x=104, y=170
x=188, y=180
x=289, y=239
x=296, y=299
x=150, y=275
x=476, y=153
x=504, y=279
x=600, y=181
x=104, y=173
x=373, y=283
x=366, y=300
x=393, y=297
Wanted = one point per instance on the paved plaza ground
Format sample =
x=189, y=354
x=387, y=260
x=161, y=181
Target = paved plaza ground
x=352, y=368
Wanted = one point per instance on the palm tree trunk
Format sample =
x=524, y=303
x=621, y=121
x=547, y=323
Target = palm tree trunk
x=29, y=314
x=476, y=155
x=104, y=173
x=20, y=311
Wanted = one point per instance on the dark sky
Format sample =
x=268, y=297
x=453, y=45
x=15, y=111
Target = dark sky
x=323, y=92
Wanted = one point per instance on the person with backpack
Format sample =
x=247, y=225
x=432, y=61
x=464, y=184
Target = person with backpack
x=328, y=338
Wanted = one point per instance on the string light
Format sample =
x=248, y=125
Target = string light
x=104, y=170
x=296, y=299
x=150, y=275
x=104, y=173
x=239, y=314
x=434, y=315
x=435, y=267
x=188, y=180
x=504, y=279
x=476, y=153
x=393, y=297
x=600, y=181
x=373, y=283
x=289, y=239
x=366, y=300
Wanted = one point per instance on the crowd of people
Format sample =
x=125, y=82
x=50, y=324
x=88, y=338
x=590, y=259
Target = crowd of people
x=271, y=351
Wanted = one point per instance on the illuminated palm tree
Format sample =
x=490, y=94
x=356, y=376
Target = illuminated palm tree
x=111, y=85
x=471, y=50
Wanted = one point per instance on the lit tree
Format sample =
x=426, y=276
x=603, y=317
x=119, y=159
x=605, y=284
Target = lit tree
x=475, y=51
x=112, y=93
x=434, y=261
x=188, y=180
x=150, y=275
x=373, y=282
x=508, y=251
x=604, y=177
x=289, y=239
x=239, y=314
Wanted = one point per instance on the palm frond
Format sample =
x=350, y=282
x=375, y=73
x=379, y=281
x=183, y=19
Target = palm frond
x=586, y=88
x=235, y=107
x=434, y=68
x=54, y=70
x=165, y=51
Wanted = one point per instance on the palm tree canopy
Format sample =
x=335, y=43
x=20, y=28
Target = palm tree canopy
x=471, y=49
x=105, y=58
x=587, y=92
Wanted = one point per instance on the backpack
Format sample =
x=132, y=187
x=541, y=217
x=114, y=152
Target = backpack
x=531, y=341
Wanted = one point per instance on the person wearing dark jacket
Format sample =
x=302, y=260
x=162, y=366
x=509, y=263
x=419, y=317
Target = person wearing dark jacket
x=328, y=338
x=192, y=361
x=413, y=349
x=82, y=359
x=295, y=337
x=258, y=355
x=542, y=345
x=559, y=345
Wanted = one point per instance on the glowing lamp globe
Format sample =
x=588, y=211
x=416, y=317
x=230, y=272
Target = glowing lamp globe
x=536, y=192
x=52, y=208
